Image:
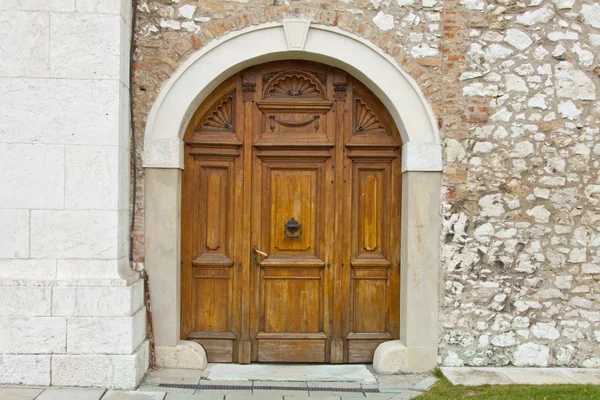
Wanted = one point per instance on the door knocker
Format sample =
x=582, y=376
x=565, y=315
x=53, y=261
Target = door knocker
x=293, y=229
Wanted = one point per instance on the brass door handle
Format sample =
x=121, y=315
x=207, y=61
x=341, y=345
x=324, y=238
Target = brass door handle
x=262, y=253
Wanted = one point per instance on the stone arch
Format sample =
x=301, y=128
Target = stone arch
x=206, y=69
x=421, y=165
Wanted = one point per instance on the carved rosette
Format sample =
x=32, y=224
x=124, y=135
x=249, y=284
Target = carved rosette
x=294, y=85
x=221, y=117
x=366, y=121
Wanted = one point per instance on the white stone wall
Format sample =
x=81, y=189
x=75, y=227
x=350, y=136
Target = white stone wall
x=71, y=313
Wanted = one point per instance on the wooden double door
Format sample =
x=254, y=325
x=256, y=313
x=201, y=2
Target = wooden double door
x=291, y=219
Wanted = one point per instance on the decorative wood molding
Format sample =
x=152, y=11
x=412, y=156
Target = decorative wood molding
x=221, y=118
x=284, y=150
x=340, y=84
x=366, y=120
x=214, y=146
x=369, y=152
x=314, y=105
x=249, y=85
x=295, y=85
x=294, y=124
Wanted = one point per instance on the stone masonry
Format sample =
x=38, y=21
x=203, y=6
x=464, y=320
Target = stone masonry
x=71, y=310
x=515, y=86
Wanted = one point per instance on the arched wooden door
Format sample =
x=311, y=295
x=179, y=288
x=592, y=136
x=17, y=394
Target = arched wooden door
x=291, y=219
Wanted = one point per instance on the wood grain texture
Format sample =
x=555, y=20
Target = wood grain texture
x=283, y=140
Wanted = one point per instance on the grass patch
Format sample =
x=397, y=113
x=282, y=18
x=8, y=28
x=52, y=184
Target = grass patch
x=443, y=390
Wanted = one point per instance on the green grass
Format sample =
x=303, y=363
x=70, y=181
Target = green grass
x=443, y=390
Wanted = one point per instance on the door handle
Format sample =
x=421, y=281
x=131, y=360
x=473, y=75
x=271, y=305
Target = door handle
x=257, y=251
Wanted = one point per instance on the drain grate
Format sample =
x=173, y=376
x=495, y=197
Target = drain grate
x=249, y=387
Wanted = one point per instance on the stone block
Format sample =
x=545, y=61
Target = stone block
x=37, y=5
x=90, y=272
x=59, y=111
x=74, y=234
x=583, y=376
x=33, y=370
x=71, y=394
x=124, y=37
x=106, y=335
x=393, y=357
x=34, y=335
x=14, y=235
x=24, y=45
x=25, y=301
x=23, y=272
x=123, y=188
x=536, y=376
x=85, y=46
x=186, y=355
x=32, y=176
x=97, y=301
x=98, y=7
x=91, y=177
x=475, y=376
x=108, y=371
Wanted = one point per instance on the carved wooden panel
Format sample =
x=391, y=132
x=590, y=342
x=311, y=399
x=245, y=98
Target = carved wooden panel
x=215, y=197
x=294, y=85
x=212, y=288
x=221, y=117
x=366, y=120
x=303, y=290
x=294, y=193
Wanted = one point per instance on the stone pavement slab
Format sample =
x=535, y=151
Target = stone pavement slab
x=175, y=376
x=271, y=372
x=120, y=395
x=239, y=396
x=300, y=385
x=19, y=393
x=473, y=376
x=536, y=376
x=54, y=393
x=582, y=375
x=184, y=396
x=404, y=395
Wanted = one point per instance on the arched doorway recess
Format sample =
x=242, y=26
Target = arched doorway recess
x=416, y=348
x=291, y=218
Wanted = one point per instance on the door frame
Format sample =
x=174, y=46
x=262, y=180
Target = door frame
x=421, y=178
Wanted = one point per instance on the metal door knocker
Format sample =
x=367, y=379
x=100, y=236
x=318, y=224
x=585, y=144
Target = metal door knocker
x=293, y=229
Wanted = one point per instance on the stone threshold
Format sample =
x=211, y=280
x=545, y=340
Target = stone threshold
x=476, y=376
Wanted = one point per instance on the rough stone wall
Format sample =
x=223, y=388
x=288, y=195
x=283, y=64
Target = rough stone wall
x=520, y=248
x=515, y=88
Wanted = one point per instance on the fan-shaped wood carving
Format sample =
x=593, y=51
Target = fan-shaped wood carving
x=294, y=84
x=221, y=117
x=366, y=120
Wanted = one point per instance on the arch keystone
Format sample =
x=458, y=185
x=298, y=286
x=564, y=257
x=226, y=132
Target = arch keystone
x=296, y=31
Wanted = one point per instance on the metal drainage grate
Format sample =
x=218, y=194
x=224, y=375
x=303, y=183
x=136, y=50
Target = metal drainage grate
x=233, y=387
